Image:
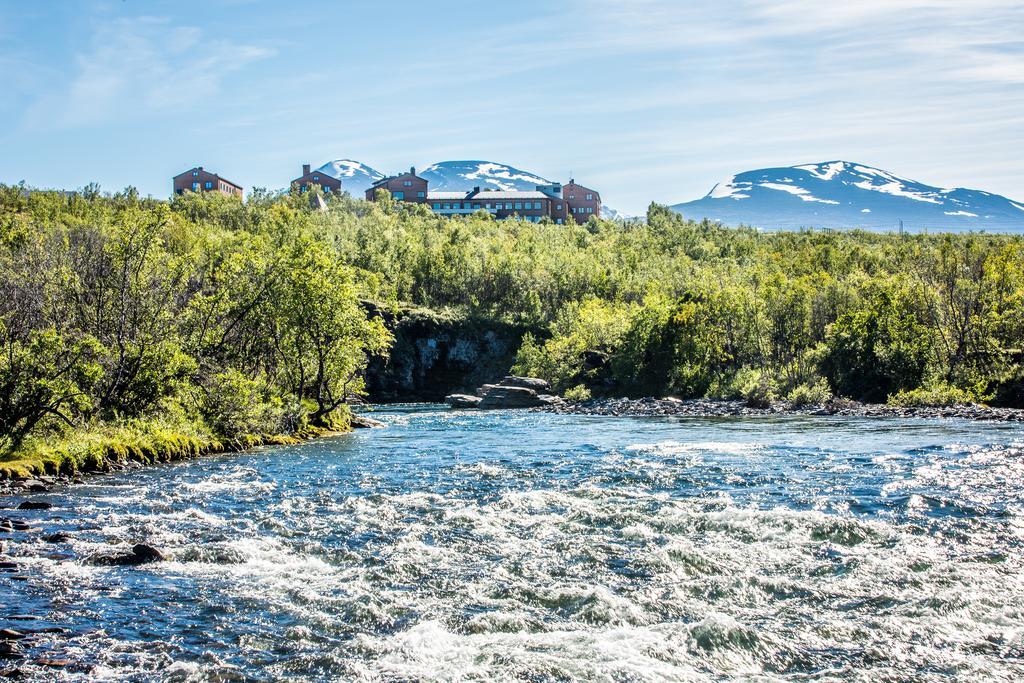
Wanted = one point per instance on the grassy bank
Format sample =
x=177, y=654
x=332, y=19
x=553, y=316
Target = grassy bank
x=99, y=448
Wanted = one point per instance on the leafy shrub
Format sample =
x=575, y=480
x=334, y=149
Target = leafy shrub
x=754, y=386
x=578, y=393
x=933, y=395
x=236, y=405
x=810, y=393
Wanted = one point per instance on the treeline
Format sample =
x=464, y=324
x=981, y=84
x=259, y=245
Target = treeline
x=247, y=317
x=674, y=307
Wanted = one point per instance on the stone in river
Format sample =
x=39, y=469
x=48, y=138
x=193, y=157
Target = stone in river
x=10, y=634
x=140, y=554
x=462, y=401
x=9, y=650
x=510, y=397
x=35, y=505
x=363, y=422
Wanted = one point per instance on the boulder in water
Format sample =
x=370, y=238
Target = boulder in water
x=34, y=505
x=462, y=401
x=535, y=383
x=511, y=392
x=363, y=422
x=140, y=554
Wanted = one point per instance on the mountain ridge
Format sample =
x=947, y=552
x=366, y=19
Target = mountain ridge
x=844, y=194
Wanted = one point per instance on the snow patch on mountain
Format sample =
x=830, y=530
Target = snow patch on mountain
x=841, y=194
x=730, y=188
x=463, y=176
x=798, y=191
x=355, y=176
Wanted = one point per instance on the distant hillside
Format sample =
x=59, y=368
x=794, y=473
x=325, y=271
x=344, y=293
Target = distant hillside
x=842, y=194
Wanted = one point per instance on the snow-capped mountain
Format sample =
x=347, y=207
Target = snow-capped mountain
x=841, y=194
x=463, y=176
x=356, y=177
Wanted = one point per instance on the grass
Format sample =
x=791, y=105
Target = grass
x=98, y=448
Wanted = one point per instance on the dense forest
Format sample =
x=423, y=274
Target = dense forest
x=228, y=318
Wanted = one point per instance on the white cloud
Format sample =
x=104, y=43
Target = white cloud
x=142, y=64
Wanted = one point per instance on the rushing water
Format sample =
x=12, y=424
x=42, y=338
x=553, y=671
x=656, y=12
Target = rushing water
x=498, y=546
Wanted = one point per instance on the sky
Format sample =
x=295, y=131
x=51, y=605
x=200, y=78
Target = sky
x=645, y=100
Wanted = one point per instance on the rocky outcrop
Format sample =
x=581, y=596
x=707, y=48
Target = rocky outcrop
x=436, y=354
x=511, y=392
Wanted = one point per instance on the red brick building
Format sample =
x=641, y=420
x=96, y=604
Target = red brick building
x=582, y=201
x=547, y=201
x=308, y=179
x=198, y=180
x=406, y=187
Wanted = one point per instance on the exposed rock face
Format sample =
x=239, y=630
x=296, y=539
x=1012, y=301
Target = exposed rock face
x=435, y=355
x=512, y=392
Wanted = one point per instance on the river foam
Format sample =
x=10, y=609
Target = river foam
x=514, y=546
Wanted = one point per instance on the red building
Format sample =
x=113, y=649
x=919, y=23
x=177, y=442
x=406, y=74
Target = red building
x=406, y=187
x=308, y=179
x=198, y=180
x=548, y=201
x=582, y=201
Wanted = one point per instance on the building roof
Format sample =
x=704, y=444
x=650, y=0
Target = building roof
x=573, y=183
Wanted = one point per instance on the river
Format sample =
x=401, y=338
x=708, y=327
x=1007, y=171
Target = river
x=528, y=546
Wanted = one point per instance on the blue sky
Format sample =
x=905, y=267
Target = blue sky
x=644, y=100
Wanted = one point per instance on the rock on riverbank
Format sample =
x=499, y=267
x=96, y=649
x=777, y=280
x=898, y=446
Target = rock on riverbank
x=511, y=392
x=669, y=407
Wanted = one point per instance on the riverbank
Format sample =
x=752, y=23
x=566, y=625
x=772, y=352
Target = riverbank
x=702, y=407
x=116, y=448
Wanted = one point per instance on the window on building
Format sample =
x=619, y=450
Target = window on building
x=399, y=195
x=558, y=207
x=559, y=221
x=421, y=195
x=407, y=183
x=487, y=205
x=302, y=188
x=572, y=196
x=519, y=206
x=508, y=206
x=437, y=207
x=327, y=188
x=195, y=187
x=590, y=196
x=536, y=205
x=316, y=177
x=476, y=206
x=195, y=174
x=447, y=206
x=209, y=185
